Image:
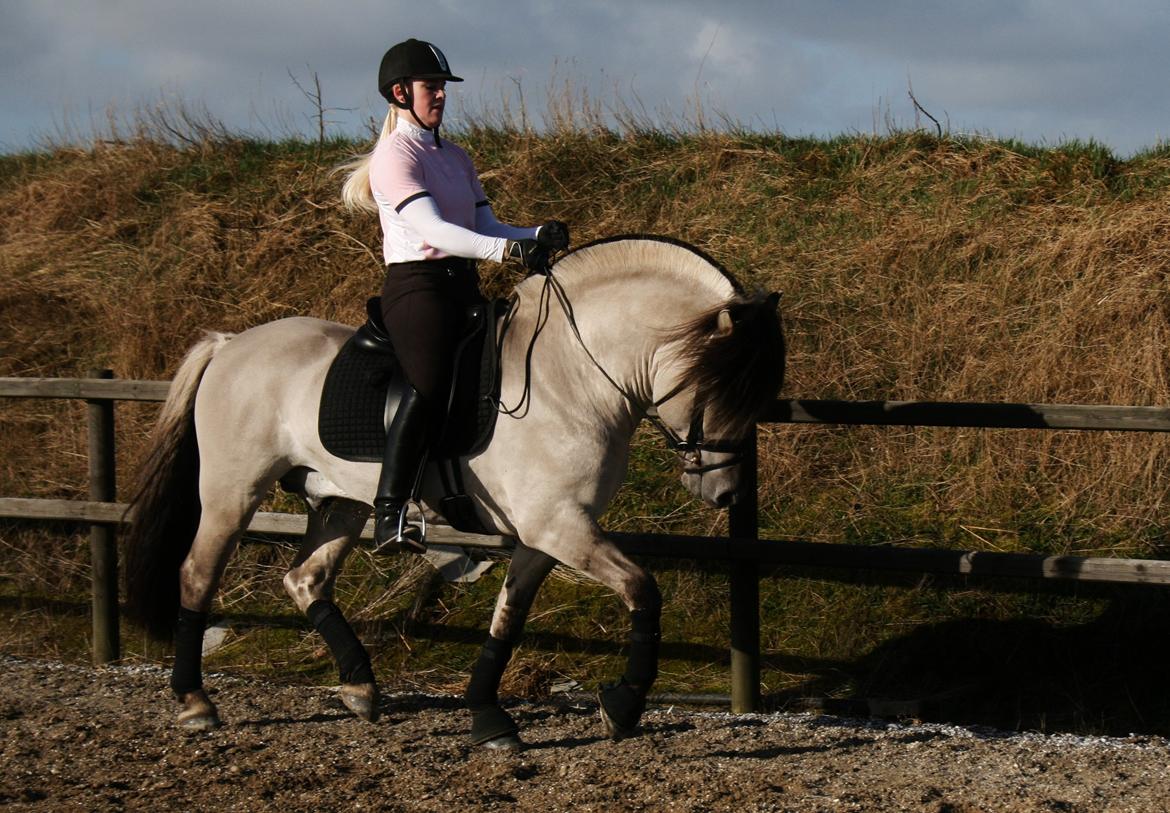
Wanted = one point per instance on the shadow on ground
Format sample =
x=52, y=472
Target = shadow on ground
x=1108, y=676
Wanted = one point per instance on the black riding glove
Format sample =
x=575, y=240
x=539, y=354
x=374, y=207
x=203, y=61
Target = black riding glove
x=531, y=253
x=553, y=235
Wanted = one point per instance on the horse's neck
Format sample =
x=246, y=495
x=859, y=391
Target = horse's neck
x=621, y=320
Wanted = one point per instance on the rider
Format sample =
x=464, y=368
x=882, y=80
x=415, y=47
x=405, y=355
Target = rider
x=436, y=222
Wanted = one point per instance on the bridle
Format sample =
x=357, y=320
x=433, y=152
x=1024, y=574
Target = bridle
x=689, y=448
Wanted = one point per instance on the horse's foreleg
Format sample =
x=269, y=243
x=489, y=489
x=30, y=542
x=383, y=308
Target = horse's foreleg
x=491, y=726
x=331, y=534
x=623, y=702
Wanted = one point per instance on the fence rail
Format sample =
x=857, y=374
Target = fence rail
x=972, y=415
x=746, y=554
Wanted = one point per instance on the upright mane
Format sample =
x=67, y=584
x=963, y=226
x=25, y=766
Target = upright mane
x=736, y=373
x=664, y=254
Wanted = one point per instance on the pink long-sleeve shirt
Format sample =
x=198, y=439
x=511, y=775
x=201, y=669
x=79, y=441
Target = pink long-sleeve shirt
x=430, y=201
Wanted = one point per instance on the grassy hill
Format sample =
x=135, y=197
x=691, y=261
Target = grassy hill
x=913, y=267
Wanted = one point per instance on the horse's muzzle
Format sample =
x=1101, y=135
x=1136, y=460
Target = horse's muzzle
x=727, y=499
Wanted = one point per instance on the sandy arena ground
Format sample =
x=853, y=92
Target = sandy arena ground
x=75, y=738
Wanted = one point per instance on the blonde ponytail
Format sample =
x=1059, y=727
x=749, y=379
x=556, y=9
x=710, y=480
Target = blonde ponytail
x=355, y=190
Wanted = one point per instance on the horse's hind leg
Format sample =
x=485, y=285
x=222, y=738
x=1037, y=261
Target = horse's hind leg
x=199, y=577
x=331, y=535
x=491, y=726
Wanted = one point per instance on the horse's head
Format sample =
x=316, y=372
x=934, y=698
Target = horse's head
x=723, y=368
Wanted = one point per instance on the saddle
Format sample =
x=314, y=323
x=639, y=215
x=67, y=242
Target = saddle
x=364, y=387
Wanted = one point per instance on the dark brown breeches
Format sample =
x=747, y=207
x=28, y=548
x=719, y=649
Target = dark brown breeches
x=424, y=305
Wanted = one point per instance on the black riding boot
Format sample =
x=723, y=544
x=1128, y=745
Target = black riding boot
x=406, y=443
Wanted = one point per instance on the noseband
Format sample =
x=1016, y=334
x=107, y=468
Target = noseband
x=691, y=448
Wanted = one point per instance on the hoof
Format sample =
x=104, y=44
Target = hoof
x=615, y=731
x=492, y=727
x=199, y=713
x=361, y=698
x=620, y=708
x=509, y=742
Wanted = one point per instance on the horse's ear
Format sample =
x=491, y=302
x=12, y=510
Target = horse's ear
x=724, y=324
x=773, y=299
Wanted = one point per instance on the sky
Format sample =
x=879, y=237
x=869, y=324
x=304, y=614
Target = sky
x=1040, y=71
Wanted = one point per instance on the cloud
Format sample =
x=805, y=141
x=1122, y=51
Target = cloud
x=1039, y=69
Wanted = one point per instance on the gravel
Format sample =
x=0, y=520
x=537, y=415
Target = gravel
x=73, y=737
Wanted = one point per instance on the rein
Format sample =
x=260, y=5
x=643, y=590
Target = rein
x=689, y=448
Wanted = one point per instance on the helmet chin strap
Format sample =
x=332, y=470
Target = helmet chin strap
x=409, y=106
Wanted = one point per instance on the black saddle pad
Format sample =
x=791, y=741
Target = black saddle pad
x=354, y=411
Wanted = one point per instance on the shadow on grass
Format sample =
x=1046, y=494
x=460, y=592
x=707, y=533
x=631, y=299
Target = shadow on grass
x=1107, y=676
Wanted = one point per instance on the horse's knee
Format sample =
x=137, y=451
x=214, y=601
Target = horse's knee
x=323, y=552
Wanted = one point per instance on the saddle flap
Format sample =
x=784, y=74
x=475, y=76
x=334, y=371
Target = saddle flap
x=471, y=406
x=361, y=395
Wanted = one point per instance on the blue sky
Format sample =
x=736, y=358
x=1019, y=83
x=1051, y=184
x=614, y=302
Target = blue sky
x=1042, y=71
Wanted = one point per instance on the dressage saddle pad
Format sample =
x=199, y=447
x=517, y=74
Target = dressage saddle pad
x=361, y=391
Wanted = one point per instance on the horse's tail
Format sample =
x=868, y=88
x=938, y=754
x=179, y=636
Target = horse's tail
x=165, y=506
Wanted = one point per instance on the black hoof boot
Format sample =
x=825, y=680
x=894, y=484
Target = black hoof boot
x=621, y=709
x=492, y=727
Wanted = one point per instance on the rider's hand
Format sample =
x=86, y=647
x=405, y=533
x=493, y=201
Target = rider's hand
x=553, y=235
x=530, y=253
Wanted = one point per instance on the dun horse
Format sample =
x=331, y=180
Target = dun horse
x=640, y=328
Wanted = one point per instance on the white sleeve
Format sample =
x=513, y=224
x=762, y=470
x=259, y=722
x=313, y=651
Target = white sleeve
x=423, y=216
x=486, y=223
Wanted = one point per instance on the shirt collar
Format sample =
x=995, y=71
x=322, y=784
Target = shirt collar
x=409, y=128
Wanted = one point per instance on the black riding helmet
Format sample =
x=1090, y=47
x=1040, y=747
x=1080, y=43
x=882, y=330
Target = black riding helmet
x=413, y=59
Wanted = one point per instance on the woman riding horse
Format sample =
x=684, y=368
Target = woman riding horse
x=436, y=222
x=641, y=328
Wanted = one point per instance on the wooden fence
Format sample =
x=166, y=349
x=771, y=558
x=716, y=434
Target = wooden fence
x=748, y=557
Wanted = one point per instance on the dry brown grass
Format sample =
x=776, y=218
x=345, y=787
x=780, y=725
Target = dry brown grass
x=912, y=268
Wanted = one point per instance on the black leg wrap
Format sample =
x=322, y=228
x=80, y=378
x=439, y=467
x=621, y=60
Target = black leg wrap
x=187, y=673
x=483, y=688
x=624, y=702
x=645, y=637
x=352, y=659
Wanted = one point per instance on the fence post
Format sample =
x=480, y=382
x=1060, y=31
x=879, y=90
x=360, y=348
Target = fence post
x=103, y=548
x=744, y=523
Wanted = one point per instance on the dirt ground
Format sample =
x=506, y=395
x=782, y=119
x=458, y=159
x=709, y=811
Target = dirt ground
x=76, y=738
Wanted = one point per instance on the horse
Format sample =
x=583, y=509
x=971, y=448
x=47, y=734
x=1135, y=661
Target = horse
x=619, y=330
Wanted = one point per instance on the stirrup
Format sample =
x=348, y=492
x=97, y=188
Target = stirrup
x=410, y=537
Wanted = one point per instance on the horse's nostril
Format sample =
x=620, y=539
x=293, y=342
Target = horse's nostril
x=726, y=499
